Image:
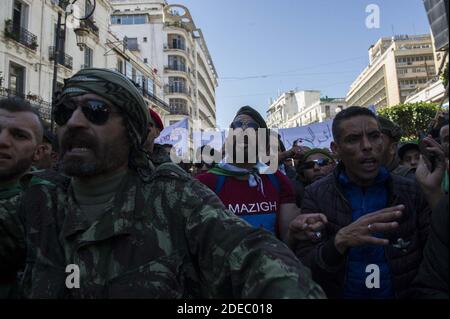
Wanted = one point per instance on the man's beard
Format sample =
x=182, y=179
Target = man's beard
x=21, y=167
x=104, y=158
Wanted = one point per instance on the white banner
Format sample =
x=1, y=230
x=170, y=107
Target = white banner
x=177, y=135
x=316, y=135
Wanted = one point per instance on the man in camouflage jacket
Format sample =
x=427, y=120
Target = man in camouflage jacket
x=20, y=143
x=160, y=235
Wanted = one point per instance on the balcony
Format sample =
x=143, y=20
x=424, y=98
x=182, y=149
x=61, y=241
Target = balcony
x=64, y=59
x=180, y=25
x=171, y=89
x=179, y=110
x=89, y=25
x=21, y=35
x=170, y=46
x=176, y=67
x=160, y=103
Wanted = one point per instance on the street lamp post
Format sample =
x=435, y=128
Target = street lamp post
x=80, y=34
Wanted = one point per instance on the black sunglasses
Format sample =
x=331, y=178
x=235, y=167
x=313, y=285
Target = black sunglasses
x=240, y=124
x=97, y=112
x=321, y=162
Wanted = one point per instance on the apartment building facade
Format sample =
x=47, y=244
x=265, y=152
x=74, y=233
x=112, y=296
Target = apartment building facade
x=27, y=49
x=434, y=90
x=398, y=66
x=167, y=36
x=300, y=108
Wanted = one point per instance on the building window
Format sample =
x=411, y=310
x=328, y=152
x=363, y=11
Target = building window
x=138, y=78
x=179, y=106
x=116, y=19
x=177, y=63
x=129, y=19
x=145, y=60
x=120, y=66
x=179, y=103
x=132, y=44
x=128, y=70
x=150, y=86
x=177, y=85
x=20, y=15
x=88, y=57
x=133, y=74
x=16, y=79
x=177, y=42
x=145, y=39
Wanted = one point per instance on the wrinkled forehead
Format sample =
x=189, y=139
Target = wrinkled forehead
x=359, y=125
x=23, y=120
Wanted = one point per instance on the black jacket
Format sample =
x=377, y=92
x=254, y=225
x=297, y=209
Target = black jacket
x=432, y=279
x=328, y=266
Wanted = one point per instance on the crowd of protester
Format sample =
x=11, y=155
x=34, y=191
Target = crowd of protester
x=101, y=195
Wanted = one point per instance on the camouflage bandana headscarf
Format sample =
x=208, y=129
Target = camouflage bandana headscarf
x=120, y=91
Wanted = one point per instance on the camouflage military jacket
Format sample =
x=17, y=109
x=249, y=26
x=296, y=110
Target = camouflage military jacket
x=12, y=236
x=12, y=240
x=170, y=237
x=159, y=155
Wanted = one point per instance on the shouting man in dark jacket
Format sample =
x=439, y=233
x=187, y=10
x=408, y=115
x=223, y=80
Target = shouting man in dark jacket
x=377, y=222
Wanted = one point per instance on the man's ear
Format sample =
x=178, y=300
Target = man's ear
x=393, y=148
x=335, y=148
x=39, y=152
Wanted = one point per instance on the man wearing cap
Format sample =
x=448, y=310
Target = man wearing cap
x=391, y=134
x=312, y=166
x=409, y=154
x=117, y=228
x=158, y=154
x=264, y=200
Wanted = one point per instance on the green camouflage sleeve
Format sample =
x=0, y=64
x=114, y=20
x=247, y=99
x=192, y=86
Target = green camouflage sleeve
x=236, y=258
x=44, y=267
x=12, y=238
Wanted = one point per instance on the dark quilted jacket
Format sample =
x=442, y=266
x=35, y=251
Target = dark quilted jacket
x=404, y=253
